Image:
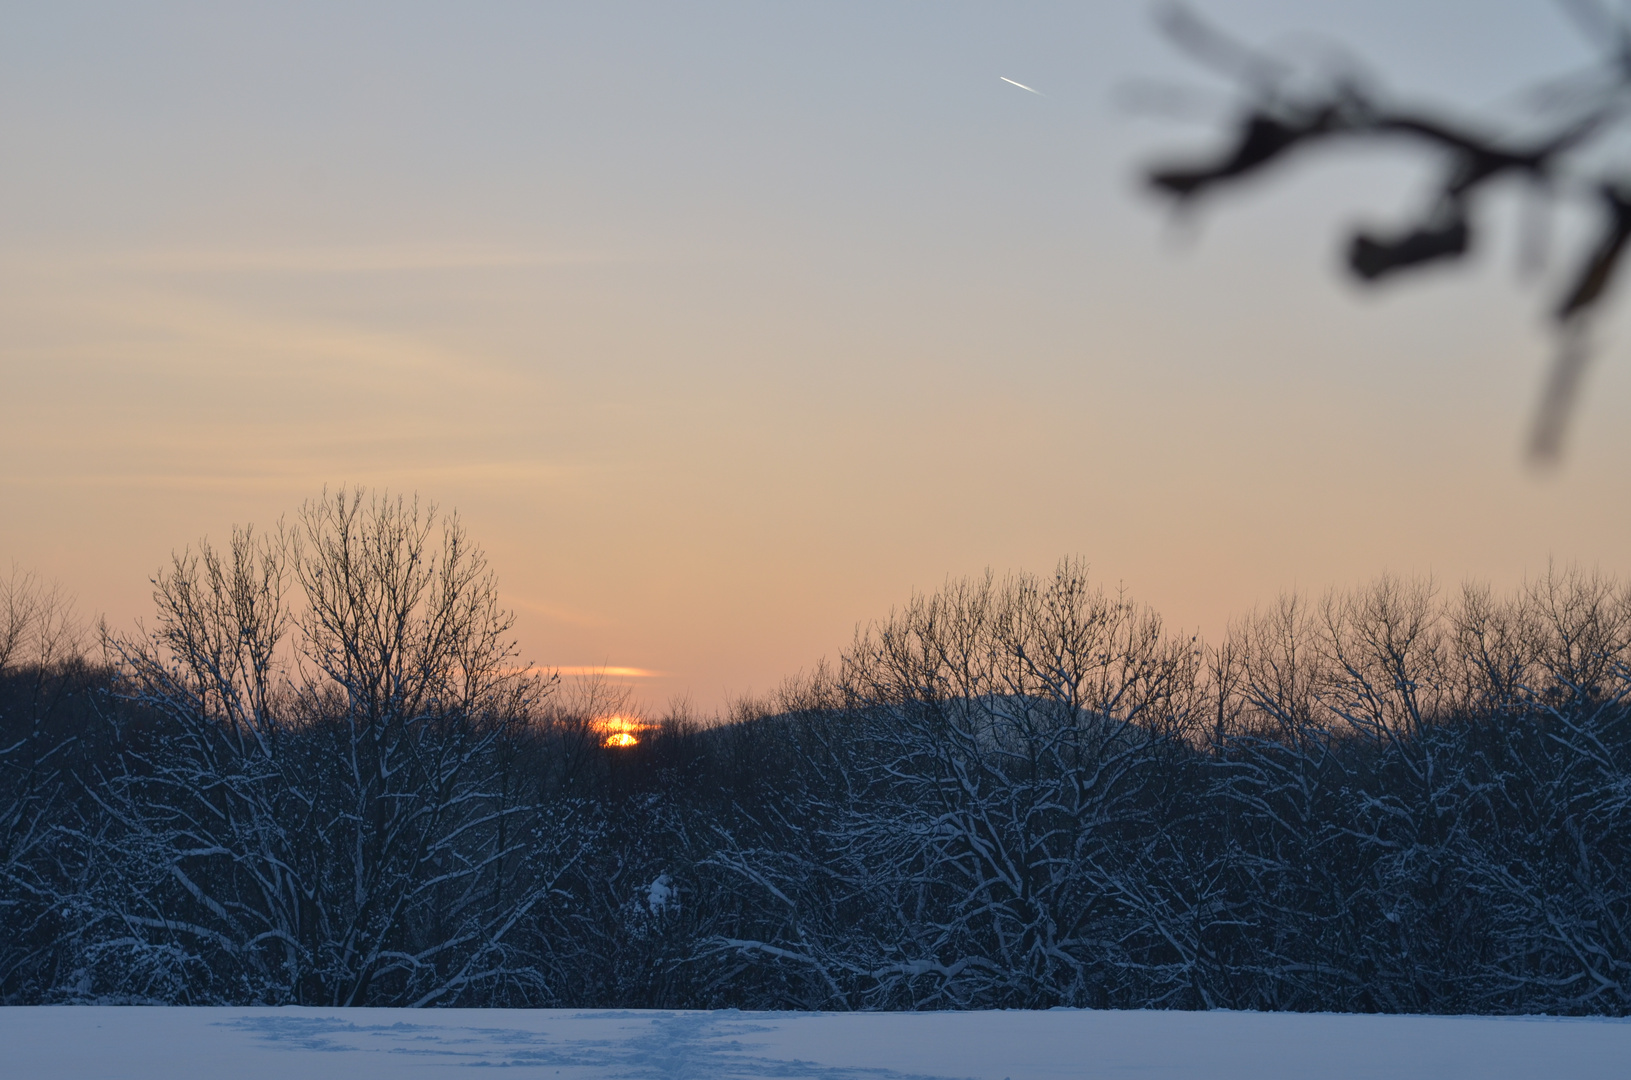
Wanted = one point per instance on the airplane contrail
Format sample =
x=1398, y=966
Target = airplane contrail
x=1021, y=85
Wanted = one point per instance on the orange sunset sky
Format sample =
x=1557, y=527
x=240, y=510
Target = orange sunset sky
x=724, y=327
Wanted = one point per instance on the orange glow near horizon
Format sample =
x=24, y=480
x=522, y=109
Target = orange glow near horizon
x=620, y=732
x=708, y=410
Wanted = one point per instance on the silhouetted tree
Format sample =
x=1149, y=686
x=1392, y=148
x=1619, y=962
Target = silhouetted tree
x=306, y=808
x=322, y=777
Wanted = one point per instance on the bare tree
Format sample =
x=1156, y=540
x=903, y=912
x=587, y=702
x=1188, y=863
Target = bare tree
x=991, y=756
x=322, y=777
x=43, y=678
x=313, y=814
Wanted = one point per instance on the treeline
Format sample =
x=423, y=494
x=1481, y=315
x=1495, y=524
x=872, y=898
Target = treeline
x=323, y=777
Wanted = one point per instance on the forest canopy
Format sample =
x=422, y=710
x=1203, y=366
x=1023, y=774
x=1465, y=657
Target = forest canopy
x=324, y=775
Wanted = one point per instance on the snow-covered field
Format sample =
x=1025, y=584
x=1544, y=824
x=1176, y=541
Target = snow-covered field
x=361, y=1044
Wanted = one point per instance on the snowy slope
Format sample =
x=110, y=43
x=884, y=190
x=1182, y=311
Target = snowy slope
x=362, y=1044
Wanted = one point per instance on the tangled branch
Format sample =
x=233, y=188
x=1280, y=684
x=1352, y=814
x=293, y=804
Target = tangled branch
x=1278, y=116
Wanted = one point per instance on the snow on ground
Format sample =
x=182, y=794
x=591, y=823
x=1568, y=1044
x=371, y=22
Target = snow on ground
x=363, y=1044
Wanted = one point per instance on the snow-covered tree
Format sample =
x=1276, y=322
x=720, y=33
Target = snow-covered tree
x=308, y=805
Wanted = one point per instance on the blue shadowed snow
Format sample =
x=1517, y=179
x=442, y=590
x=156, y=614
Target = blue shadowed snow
x=665, y=1045
x=79, y=1043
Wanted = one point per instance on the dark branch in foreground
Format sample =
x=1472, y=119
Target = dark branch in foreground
x=1277, y=118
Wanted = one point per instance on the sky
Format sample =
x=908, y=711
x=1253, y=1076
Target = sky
x=725, y=327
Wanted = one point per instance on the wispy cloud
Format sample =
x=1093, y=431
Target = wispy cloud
x=613, y=672
x=188, y=392
x=556, y=613
x=237, y=475
x=591, y=670
x=351, y=259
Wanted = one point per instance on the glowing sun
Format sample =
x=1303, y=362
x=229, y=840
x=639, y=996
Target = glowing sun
x=618, y=732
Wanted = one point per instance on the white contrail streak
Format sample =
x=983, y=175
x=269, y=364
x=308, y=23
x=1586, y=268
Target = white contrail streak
x=1021, y=85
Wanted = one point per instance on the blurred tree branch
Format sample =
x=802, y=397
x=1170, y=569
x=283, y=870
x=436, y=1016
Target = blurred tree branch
x=1280, y=110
